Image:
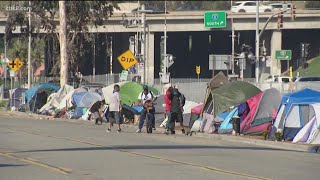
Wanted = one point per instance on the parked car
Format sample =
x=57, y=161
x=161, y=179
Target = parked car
x=306, y=78
x=284, y=79
x=250, y=7
x=280, y=6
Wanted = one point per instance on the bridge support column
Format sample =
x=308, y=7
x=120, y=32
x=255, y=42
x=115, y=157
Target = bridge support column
x=150, y=59
x=276, y=44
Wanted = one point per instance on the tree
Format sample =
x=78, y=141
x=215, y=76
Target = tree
x=63, y=44
x=81, y=16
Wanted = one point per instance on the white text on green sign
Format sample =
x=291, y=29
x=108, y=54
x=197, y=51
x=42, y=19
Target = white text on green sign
x=215, y=19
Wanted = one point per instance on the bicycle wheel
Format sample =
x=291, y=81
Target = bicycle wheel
x=148, y=124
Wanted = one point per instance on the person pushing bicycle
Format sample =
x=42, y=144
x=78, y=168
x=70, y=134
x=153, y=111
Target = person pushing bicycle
x=146, y=100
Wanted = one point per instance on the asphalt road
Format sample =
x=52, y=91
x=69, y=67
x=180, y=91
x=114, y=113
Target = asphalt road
x=58, y=150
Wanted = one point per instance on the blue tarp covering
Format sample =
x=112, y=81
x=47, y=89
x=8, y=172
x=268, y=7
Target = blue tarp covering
x=30, y=93
x=226, y=125
x=138, y=108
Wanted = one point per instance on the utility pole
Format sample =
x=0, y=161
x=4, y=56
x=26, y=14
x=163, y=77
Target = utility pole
x=257, y=42
x=143, y=41
x=63, y=44
x=5, y=63
x=165, y=39
x=232, y=55
x=94, y=58
x=111, y=52
x=29, y=49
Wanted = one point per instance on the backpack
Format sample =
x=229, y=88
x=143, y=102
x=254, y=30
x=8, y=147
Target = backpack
x=182, y=100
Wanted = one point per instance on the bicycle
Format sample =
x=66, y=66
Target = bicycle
x=148, y=122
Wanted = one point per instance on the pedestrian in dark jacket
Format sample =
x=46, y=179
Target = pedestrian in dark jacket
x=177, y=103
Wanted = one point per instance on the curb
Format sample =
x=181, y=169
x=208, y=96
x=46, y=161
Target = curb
x=230, y=138
x=265, y=143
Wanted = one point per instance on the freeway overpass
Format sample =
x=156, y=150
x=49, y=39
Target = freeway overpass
x=184, y=22
x=193, y=21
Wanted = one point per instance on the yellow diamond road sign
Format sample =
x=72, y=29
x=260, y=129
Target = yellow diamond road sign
x=15, y=64
x=127, y=59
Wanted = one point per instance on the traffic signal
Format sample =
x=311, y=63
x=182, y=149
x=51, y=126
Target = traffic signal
x=302, y=50
x=307, y=49
x=293, y=12
x=280, y=20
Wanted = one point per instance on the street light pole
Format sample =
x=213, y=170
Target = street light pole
x=257, y=42
x=143, y=41
x=29, y=49
x=5, y=63
x=165, y=39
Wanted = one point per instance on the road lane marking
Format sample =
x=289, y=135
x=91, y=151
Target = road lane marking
x=209, y=168
x=37, y=163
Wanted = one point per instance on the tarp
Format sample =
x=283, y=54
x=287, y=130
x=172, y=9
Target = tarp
x=226, y=96
x=30, y=93
x=261, y=108
x=55, y=99
x=293, y=113
x=226, y=125
x=86, y=99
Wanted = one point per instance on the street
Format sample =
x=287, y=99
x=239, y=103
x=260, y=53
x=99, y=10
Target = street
x=43, y=149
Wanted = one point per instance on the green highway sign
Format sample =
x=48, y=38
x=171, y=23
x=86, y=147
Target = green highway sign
x=283, y=54
x=215, y=19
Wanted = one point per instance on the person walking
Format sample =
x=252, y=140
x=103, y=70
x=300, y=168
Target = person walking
x=177, y=103
x=167, y=109
x=115, y=109
x=146, y=100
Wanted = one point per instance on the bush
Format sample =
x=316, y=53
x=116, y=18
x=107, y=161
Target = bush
x=2, y=103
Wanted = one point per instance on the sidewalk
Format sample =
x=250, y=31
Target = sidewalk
x=238, y=139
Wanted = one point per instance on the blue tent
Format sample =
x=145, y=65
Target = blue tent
x=30, y=93
x=293, y=113
x=36, y=97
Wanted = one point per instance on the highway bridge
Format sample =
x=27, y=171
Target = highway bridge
x=182, y=24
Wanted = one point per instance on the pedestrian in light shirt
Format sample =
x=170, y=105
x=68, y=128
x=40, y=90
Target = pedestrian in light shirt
x=115, y=109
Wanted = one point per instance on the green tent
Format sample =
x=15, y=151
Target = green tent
x=129, y=92
x=231, y=94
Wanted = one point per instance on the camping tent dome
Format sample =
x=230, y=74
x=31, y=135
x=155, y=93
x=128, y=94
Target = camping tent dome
x=293, y=113
x=230, y=94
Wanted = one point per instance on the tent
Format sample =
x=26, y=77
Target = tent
x=310, y=133
x=228, y=95
x=293, y=113
x=37, y=96
x=129, y=92
x=16, y=97
x=85, y=99
x=195, y=114
x=217, y=81
x=262, y=108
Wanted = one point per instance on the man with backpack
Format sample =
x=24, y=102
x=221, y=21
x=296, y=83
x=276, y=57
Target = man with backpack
x=177, y=103
x=146, y=100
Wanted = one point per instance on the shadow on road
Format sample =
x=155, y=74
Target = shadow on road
x=155, y=147
x=11, y=165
